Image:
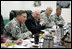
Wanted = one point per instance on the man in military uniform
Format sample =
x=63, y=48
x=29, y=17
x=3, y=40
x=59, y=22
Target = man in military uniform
x=16, y=28
x=59, y=21
x=47, y=17
x=57, y=18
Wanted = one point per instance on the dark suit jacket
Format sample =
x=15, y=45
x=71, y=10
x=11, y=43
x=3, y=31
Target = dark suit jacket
x=33, y=25
x=2, y=25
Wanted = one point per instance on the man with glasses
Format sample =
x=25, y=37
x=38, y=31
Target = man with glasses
x=33, y=23
x=16, y=28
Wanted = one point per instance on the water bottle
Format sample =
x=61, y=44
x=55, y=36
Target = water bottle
x=36, y=38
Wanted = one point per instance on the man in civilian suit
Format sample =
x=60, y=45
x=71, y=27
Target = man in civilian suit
x=33, y=23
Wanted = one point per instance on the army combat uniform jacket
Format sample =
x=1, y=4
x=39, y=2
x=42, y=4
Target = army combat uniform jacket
x=15, y=31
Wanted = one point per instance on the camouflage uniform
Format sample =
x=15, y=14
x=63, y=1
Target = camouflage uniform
x=15, y=31
x=58, y=20
x=48, y=19
x=59, y=31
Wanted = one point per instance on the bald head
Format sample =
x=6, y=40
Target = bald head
x=36, y=14
x=49, y=10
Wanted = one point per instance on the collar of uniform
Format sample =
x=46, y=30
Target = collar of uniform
x=57, y=16
x=17, y=22
x=46, y=16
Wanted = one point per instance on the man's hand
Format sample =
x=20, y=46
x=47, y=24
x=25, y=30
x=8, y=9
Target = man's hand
x=19, y=41
x=41, y=21
x=28, y=37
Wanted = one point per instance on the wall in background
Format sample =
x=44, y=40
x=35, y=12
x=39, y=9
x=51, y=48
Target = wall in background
x=7, y=6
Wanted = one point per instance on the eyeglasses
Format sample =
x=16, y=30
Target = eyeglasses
x=23, y=16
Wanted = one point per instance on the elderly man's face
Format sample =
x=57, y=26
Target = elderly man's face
x=49, y=11
x=23, y=17
x=37, y=14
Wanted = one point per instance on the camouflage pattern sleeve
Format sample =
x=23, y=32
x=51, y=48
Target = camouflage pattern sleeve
x=14, y=30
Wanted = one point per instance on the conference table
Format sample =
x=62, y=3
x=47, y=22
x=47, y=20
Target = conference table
x=29, y=43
